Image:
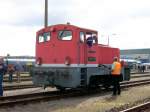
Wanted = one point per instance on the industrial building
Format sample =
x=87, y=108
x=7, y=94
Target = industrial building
x=142, y=55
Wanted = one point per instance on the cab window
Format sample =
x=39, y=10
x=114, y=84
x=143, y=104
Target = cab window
x=82, y=37
x=91, y=38
x=65, y=35
x=44, y=37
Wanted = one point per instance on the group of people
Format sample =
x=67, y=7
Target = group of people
x=141, y=68
x=10, y=69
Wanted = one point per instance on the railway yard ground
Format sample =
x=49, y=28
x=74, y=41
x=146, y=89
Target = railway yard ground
x=22, y=87
x=99, y=102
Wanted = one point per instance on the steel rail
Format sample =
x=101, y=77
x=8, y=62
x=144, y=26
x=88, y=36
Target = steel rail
x=15, y=87
x=138, y=108
x=35, y=97
x=136, y=81
x=15, y=79
x=141, y=75
x=140, y=72
x=135, y=84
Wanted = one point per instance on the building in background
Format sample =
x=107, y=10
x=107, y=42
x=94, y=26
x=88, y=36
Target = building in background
x=25, y=61
x=136, y=58
x=142, y=55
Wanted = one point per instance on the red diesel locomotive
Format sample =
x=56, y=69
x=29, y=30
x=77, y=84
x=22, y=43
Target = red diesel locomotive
x=68, y=56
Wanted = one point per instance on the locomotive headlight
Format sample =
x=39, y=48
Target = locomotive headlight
x=39, y=61
x=67, y=60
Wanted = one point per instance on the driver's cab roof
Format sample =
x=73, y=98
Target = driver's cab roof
x=52, y=27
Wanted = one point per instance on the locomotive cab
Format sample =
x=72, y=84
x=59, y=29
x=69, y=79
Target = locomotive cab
x=68, y=56
x=64, y=45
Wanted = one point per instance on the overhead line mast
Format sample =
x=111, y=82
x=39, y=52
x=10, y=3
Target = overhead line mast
x=46, y=14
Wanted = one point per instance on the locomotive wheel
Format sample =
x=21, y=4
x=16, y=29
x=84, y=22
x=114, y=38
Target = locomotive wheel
x=60, y=88
x=93, y=83
x=107, y=82
x=106, y=86
x=91, y=87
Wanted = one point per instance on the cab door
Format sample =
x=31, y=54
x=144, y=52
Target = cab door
x=81, y=49
x=91, y=49
x=88, y=53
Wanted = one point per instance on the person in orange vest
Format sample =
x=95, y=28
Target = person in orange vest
x=116, y=73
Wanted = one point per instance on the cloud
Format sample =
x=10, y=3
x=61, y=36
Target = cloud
x=134, y=33
x=20, y=12
x=17, y=40
x=106, y=13
x=20, y=19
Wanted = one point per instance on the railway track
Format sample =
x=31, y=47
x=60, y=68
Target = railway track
x=140, y=108
x=141, y=75
x=22, y=78
x=140, y=72
x=135, y=82
x=27, y=78
x=8, y=101
x=14, y=87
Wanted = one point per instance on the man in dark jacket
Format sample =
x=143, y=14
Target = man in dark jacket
x=2, y=72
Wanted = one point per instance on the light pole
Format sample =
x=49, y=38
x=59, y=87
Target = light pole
x=108, y=37
x=114, y=34
x=46, y=14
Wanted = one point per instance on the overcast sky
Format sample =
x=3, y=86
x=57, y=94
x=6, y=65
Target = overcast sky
x=125, y=22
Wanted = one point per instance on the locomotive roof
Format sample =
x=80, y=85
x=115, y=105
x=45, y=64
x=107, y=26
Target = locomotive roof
x=61, y=25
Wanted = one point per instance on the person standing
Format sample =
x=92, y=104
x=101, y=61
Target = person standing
x=2, y=72
x=10, y=70
x=143, y=68
x=18, y=69
x=116, y=74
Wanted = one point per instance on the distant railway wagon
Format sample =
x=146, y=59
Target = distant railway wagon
x=68, y=56
x=24, y=63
